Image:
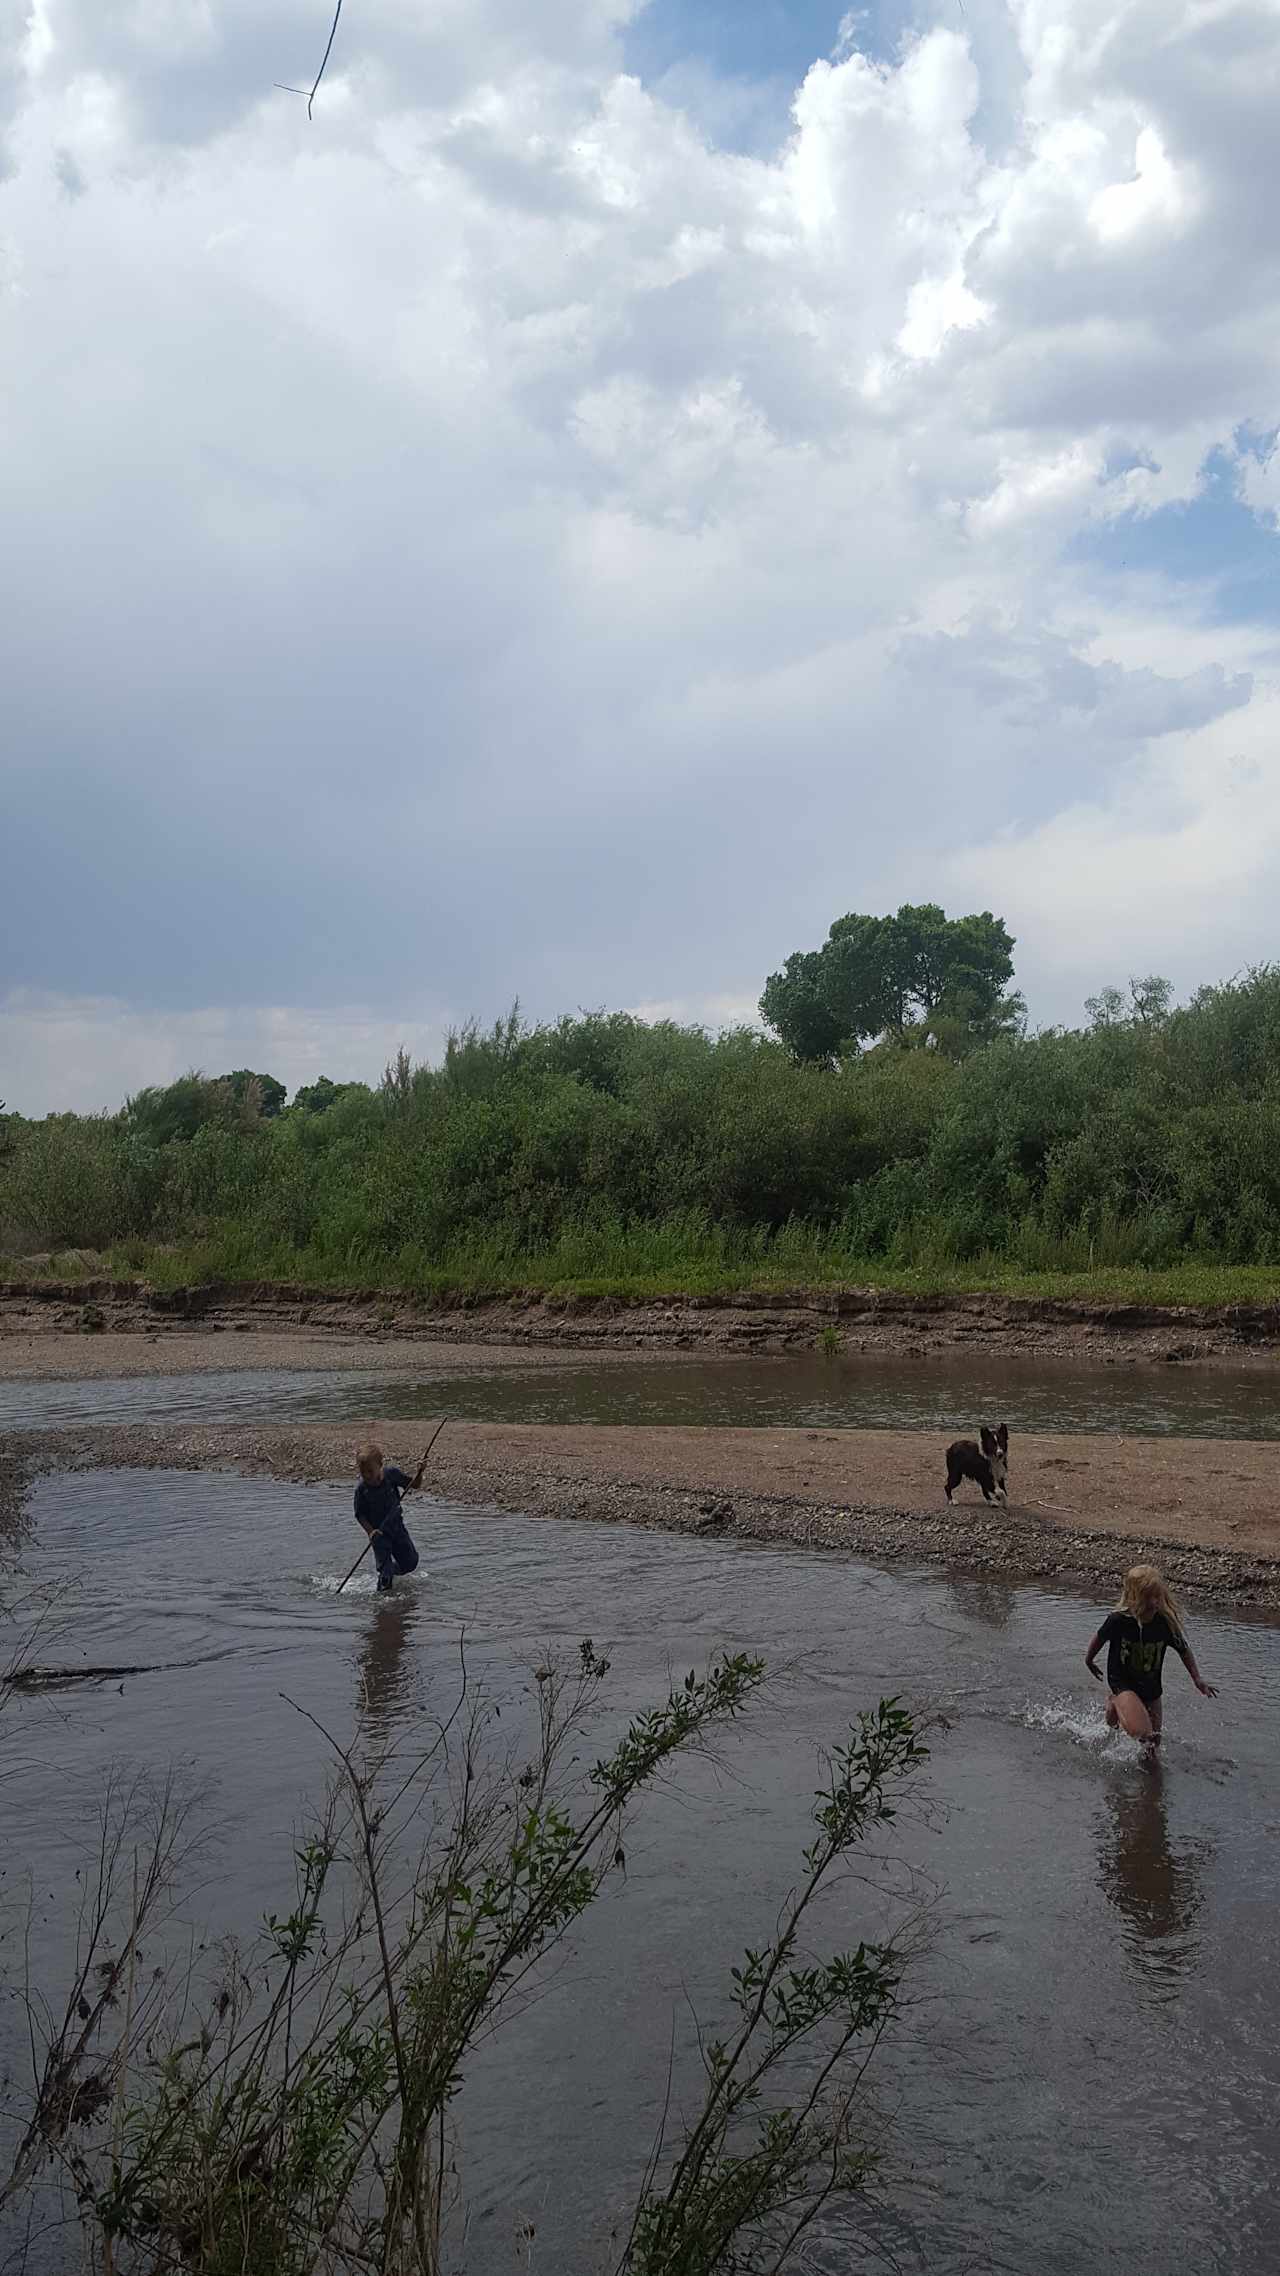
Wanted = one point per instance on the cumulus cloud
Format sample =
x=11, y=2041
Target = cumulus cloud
x=1183, y=853
x=499, y=540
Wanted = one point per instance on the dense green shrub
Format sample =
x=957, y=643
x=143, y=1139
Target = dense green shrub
x=600, y=1146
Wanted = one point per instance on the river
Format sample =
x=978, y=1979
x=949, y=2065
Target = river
x=941, y=1392
x=1092, y=2074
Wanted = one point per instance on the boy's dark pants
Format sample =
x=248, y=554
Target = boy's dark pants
x=394, y=1552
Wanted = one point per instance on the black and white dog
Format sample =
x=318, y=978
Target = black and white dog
x=987, y=1464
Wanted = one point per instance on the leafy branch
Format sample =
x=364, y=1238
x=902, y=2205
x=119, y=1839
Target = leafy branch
x=290, y=2112
x=750, y=2178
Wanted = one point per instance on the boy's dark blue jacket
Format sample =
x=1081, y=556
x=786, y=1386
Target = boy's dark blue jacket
x=379, y=1505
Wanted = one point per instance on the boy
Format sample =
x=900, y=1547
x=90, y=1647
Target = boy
x=378, y=1511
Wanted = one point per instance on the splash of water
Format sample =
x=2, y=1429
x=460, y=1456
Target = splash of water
x=1084, y=1726
x=1087, y=1727
x=363, y=1584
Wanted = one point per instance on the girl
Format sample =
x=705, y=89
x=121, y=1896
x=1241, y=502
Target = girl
x=1137, y=1635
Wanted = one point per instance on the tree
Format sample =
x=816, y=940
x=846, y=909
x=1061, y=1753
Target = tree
x=916, y=977
x=397, y=1082
x=1151, y=998
x=1106, y=1009
x=178, y=1110
x=796, y=1006
x=317, y=1097
x=269, y=1095
x=172, y=1111
x=1148, y=1005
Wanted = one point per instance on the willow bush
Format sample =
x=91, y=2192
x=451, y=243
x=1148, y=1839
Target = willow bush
x=288, y=2104
x=599, y=1147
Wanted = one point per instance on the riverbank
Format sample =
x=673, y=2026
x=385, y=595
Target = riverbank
x=98, y=1326
x=1080, y=1509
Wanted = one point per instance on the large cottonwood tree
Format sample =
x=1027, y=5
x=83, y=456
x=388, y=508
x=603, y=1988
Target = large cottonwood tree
x=918, y=976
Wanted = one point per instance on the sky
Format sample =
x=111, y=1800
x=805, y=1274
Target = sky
x=616, y=488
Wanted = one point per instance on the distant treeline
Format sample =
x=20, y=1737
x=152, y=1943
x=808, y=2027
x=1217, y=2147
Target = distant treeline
x=601, y=1149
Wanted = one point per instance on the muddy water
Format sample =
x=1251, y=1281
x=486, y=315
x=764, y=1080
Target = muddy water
x=939, y=1393
x=1099, y=2054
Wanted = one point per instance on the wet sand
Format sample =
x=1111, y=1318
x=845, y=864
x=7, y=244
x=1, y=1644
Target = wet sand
x=36, y=1353
x=1080, y=1509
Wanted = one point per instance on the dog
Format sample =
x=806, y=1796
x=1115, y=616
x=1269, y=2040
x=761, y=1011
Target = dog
x=987, y=1464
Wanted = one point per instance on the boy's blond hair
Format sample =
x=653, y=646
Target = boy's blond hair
x=1145, y=1593
x=369, y=1459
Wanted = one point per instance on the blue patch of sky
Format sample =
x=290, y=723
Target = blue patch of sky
x=1214, y=540
x=737, y=63
x=734, y=65
x=739, y=39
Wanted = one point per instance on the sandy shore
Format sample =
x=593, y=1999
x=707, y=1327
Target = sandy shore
x=51, y=1354
x=1080, y=1510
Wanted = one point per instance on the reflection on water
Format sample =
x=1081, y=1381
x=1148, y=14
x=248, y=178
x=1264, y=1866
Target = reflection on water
x=992, y=1602
x=942, y=1391
x=1155, y=1887
x=384, y=1663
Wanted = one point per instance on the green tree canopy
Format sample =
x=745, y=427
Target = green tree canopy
x=919, y=976
x=172, y=1111
x=1147, y=1005
x=317, y=1097
x=163, y=1113
x=251, y=1090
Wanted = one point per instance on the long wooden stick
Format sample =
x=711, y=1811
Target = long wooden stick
x=369, y=1543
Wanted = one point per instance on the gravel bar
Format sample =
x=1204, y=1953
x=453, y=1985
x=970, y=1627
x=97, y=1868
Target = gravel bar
x=1080, y=1509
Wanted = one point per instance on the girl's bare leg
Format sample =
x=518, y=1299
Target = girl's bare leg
x=1132, y=1715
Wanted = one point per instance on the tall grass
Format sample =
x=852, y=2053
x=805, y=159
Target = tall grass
x=604, y=1156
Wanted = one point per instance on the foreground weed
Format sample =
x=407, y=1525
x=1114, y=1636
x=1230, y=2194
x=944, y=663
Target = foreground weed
x=292, y=2112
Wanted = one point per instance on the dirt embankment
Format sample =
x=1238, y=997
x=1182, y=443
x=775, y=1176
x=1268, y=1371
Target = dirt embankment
x=1081, y=1509
x=879, y=1320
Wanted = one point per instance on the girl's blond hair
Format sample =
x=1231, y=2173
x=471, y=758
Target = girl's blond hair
x=1145, y=1593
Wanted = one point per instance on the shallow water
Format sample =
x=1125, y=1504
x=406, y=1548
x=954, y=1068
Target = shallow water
x=1101, y=2049
x=941, y=1393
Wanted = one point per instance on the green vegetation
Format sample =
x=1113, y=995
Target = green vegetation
x=920, y=977
x=290, y=2106
x=1137, y=1156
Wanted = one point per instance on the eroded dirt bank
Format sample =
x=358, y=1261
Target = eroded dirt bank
x=119, y=1327
x=1080, y=1510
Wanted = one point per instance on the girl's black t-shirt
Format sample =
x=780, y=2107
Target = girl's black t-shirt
x=1135, y=1651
